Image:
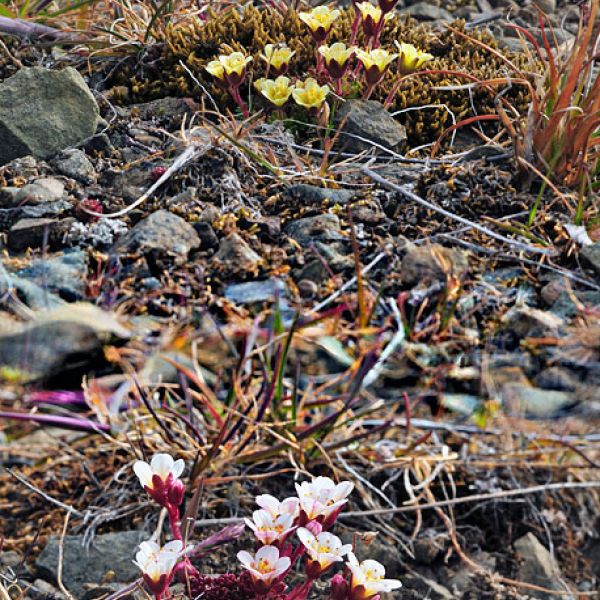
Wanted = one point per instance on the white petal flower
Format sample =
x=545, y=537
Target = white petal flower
x=266, y=566
x=156, y=562
x=162, y=465
x=324, y=548
x=274, y=507
x=321, y=496
x=370, y=576
x=269, y=529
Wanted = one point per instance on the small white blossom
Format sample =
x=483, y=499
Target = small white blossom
x=157, y=563
x=321, y=496
x=368, y=578
x=266, y=566
x=274, y=507
x=162, y=465
x=324, y=548
x=269, y=529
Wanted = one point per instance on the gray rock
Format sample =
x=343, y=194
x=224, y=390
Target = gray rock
x=9, y=216
x=366, y=124
x=46, y=349
x=252, y=292
x=337, y=261
x=31, y=233
x=207, y=235
x=548, y=6
x=312, y=194
x=428, y=588
x=46, y=189
x=556, y=378
x=8, y=197
x=236, y=255
x=43, y=112
x=520, y=399
x=433, y=263
x=591, y=254
x=75, y=164
x=537, y=565
x=525, y=321
x=161, y=232
x=33, y=295
x=63, y=274
x=564, y=307
x=322, y=228
x=109, y=552
x=429, y=545
x=426, y=11
x=42, y=590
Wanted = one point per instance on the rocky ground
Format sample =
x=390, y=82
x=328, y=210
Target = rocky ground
x=198, y=237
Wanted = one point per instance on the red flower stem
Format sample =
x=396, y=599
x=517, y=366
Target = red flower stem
x=235, y=94
x=338, y=87
x=301, y=592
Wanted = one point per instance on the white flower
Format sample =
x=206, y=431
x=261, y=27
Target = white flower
x=162, y=465
x=275, y=508
x=369, y=575
x=156, y=562
x=266, y=566
x=322, y=496
x=324, y=548
x=269, y=529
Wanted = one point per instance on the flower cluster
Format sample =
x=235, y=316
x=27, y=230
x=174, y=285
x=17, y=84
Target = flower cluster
x=310, y=516
x=285, y=531
x=333, y=61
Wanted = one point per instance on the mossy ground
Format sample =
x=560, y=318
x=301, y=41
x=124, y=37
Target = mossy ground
x=196, y=42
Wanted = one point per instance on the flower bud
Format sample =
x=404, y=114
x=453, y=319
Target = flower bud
x=176, y=492
x=339, y=588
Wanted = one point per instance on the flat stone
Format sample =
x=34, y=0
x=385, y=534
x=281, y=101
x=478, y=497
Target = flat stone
x=46, y=189
x=537, y=565
x=366, y=124
x=425, y=11
x=236, y=255
x=534, y=402
x=43, y=112
x=9, y=216
x=322, y=228
x=64, y=274
x=525, y=321
x=46, y=349
x=30, y=233
x=591, y=255
x=312, y=194
x=253, y=292
x=427, y=264
x=109, y=552
x=162, y=231
x=75, y=164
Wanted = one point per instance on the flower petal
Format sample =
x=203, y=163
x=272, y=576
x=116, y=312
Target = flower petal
x=162, y=464
x=144, y=472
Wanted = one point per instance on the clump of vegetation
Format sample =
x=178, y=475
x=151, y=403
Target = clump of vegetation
x=190, y=45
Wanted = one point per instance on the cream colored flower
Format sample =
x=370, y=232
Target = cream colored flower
x=265, y=567
x=161, y=466
x=323, y=550
x=411, y=58
x=276, y=91
x=368, y=579
x=277, y=58
x=375, y=63
x=229, y=67
x=322, y=496
x=310, y=94
x=337, y=57
x=215, y=68
x=320, y=21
